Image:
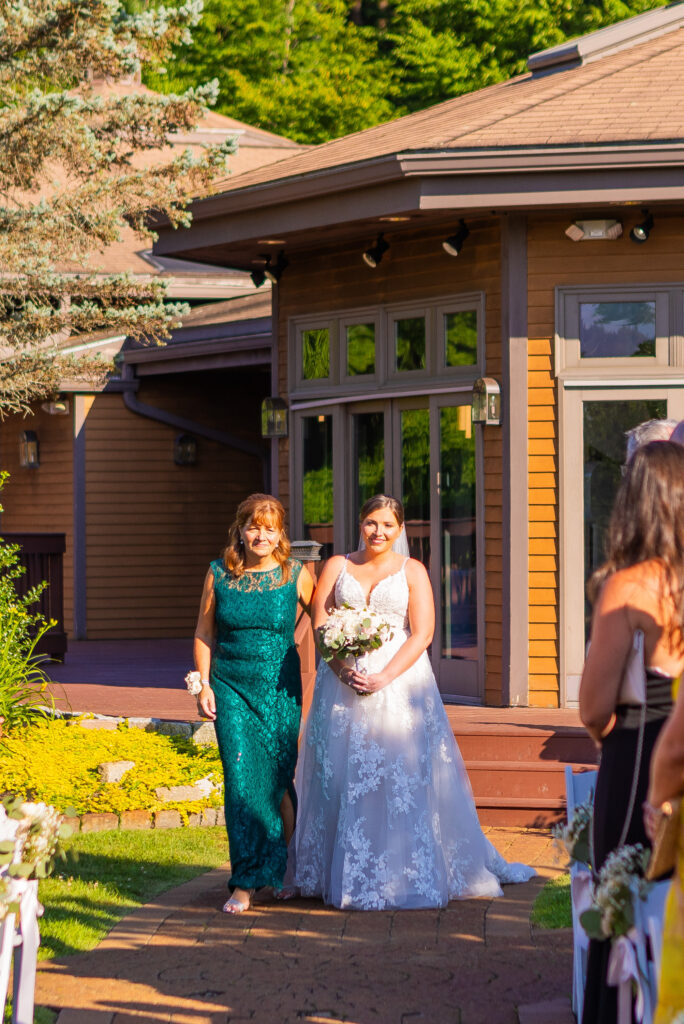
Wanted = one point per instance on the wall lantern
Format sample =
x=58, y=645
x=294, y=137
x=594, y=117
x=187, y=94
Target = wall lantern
x=487, y=402
x=58, y=407
x=274, y=417
x=185, y=450
x=29, y=456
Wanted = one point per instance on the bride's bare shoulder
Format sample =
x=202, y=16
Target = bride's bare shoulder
x=416, y=571
x=333, y=565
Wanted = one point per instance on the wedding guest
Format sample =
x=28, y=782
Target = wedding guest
x=386, y=816
x=251, y=687
x=667, y=786
x=640, y=588
x=649, y=430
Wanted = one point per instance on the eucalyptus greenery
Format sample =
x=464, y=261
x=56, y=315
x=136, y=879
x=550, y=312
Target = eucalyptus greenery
x=23, y=684
x=76, y=173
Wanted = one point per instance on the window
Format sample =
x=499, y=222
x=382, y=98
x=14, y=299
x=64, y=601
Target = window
x=409, y=344
x=360, y=349
x=316, y=354
x=460, y=338
x=317, y=480
x=617, y=330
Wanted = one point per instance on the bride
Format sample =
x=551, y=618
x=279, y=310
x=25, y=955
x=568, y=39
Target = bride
x=386, y=816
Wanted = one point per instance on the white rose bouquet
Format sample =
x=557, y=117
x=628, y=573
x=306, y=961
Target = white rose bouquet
x=620, y=881
x=573, y=837
x=351, y=632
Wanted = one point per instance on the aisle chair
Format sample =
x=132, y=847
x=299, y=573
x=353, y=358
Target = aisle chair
x=649, y=916
x=578, y=786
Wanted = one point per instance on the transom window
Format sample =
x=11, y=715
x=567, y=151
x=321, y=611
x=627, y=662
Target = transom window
x=395, y=346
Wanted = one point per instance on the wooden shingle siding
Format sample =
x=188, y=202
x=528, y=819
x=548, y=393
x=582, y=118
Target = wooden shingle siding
x=152, y=526
x=40, y=500
x=414, y=269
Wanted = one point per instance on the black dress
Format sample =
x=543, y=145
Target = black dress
x=611, y=802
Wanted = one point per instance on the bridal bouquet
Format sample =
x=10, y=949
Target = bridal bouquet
x=350, y=632
x=574, y=836
x=620, y=881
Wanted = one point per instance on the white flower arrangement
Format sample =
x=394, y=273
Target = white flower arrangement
x=573, y=837
x=10, y=896
x=350, y=632
x=193, y=681
x=620, y=881
x=30, y=838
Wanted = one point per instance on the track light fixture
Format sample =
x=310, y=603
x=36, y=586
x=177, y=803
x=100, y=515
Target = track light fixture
x=373, y=256
x=640, y=232
x=258, y=278
x=454, y=243
x=274, y=271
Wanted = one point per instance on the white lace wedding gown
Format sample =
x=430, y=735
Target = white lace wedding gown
x=386, y=817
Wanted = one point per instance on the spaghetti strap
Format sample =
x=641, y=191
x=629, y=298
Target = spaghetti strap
x=403, y=564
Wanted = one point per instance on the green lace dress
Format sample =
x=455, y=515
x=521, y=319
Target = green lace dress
x=256, y=678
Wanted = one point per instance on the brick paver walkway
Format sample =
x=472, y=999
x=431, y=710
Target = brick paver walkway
x=179, y=960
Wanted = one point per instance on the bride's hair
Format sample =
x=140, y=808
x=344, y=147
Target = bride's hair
x=382, y=501
x=260, y=509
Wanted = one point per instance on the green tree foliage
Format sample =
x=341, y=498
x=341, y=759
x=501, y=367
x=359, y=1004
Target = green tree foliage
x=73, y=175
x=318, y=69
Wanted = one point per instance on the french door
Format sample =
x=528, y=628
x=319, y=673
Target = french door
x=424, y=451
x=594, y=421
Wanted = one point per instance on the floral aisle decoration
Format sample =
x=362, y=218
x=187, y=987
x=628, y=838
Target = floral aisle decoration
x=30, y=841
x=620, y=881
x=351, y=633
x=574, y=836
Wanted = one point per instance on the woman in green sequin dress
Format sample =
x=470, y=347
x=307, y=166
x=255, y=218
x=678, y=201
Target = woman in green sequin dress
x=251, y=687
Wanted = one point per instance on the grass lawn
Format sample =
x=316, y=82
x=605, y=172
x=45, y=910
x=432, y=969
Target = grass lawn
x=552, y=906
x=108, y=874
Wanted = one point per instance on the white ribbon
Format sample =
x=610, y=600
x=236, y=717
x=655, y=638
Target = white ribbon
x=622, y=971
x=581, y=895
x=26, y=955
x=6, y=948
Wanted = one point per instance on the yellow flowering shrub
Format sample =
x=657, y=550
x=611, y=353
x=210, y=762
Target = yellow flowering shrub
x=56, y=761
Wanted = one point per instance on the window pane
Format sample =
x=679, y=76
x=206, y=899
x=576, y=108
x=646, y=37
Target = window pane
x=360, y=349
x=410, y=343
x=617, y=329
x=415, y=480
x=605, y=445
x=317, y=481
x=316, y=354
x=458, y=533
x=460, y=338
x=369, y=456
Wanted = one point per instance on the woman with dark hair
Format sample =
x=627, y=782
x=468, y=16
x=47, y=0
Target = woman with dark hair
x=251, y=687
x=386, y=817
x=637, y=593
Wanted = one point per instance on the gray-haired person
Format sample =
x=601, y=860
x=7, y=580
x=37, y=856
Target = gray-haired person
x=650, y=430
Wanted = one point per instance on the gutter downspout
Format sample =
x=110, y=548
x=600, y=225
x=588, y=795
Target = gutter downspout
x=152, y=412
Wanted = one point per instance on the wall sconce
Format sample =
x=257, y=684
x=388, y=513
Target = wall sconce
x=640, y=232
x=275, y=271
x=594, y=230
x=371, y=257
x=454, y=243
x=185, y=450
x=59, y=407
x=486, y=402
x=274, y=417
x=29, y=455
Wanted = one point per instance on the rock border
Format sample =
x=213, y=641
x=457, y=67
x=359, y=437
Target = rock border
x=202, y=733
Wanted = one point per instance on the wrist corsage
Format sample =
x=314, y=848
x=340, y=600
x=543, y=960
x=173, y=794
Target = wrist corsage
x=194, y=683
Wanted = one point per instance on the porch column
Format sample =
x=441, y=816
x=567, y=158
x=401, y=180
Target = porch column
x=82, y=404
x=515, y=567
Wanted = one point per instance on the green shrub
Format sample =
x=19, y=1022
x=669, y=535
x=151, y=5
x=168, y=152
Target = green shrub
x=56, y=761
x=23, y=693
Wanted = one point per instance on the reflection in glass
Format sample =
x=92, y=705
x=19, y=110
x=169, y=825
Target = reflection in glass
x=460, y=338
x=410, y=343
x=605, y=424
x=457, y=530
x=360, y=349
x=368, y=456
x=317, y=481
x=316, y=354
x=415, y=480
x=617, y=330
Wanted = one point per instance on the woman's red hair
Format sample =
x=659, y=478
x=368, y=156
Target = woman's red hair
x=260, y=509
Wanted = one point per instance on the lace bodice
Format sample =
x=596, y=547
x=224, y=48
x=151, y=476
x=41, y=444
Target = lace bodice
x=389, y=597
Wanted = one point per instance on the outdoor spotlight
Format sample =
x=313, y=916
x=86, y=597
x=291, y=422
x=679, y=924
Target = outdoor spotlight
x=640, y=232
x=373, y=256
x=454, y=243
x=274, y=271
x=258, y=278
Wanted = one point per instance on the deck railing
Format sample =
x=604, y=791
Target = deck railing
x=42, y=555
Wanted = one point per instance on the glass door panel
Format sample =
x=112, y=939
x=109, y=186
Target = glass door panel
x=317, y=481
x=458, y=533
x=414, y=460
x=604, y=426
x=368, y=457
